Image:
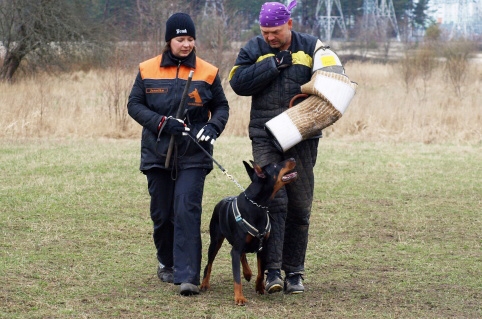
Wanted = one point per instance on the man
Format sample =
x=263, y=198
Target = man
x=271, y=68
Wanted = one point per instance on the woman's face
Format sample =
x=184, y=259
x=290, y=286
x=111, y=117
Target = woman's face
x=181, y=47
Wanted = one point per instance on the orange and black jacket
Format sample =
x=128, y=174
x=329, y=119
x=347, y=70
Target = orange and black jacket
x=157, y=92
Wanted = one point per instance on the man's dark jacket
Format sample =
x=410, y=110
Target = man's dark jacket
x=255, y=74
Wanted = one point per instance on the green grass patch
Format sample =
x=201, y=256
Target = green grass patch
x=395, y=233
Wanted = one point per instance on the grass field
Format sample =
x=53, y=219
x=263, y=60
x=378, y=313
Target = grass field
x=396, y=226
x=395, y=233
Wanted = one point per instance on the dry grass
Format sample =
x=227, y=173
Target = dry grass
x=92, y=104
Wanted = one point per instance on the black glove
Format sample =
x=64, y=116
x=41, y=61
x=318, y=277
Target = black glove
x=208, y=132
x=174, y=126
x=283, y=59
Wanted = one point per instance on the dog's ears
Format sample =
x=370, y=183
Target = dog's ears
x=256, y=169
x=249, y=169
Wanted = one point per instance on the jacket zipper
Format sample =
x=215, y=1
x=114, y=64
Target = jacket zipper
x=178, y=82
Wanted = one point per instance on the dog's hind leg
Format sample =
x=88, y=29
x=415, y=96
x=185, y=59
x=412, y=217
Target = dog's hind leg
x=214, y=247
x=247, y=273
x=239, y=298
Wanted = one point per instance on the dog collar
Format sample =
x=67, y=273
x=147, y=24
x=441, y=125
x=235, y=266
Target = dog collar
x=247, y=227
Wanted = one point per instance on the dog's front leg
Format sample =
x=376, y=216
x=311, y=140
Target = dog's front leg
x=247, y=273
x=214, y=246
x=260, y=284
x=239, y=298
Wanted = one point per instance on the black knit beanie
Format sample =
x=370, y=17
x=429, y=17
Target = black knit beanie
x=179, y=24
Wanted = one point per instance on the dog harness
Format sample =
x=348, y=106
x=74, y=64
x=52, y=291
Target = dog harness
x=247, y=227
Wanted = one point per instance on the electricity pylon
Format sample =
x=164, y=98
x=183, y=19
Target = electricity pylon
x=464, y=25
x=327, y=17
x=377, y=14
x=386, y=12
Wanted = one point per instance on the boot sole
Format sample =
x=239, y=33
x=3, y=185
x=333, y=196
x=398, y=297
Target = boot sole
x=295, y=292
x=189, y=290
x=275, y=288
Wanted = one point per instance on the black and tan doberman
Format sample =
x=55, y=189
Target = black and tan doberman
x=244, y=221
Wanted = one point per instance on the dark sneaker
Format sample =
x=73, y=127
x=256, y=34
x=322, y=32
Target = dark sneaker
x=165, y=274
x=273, y=281
x=188, y=289
x=294, y=283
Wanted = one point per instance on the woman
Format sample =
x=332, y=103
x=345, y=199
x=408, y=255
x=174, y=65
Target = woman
x=176, y=185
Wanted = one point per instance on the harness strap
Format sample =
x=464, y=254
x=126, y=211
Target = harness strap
x=247, y=227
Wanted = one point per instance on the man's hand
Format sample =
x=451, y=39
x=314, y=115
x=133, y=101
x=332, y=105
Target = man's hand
x=283, y=59
x=208, y=132
x=175, y=126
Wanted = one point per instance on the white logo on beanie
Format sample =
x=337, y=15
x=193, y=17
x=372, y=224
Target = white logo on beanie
x=181, y=31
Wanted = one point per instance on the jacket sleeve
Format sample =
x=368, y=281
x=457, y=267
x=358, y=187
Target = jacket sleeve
x=137, y=108
x=219, y=107
x=249, y=76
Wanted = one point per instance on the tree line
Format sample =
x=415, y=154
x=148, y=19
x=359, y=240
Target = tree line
x=56, y=34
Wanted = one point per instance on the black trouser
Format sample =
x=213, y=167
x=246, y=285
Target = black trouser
x=291, y=208
x=176, y=208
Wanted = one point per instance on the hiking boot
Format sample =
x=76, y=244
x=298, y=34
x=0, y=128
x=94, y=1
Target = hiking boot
x=294, y=283
x=273, y=281
x=165, y=274
x=188, y=289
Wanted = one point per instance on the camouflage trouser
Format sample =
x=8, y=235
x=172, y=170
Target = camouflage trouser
x=290, y=210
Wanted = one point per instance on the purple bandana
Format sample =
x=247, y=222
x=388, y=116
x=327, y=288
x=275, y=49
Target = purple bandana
x=274, y=14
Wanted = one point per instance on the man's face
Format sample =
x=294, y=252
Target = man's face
x=278, y=37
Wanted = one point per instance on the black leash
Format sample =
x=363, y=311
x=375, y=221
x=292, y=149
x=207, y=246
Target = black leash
x=206, y=152
x=225, y=172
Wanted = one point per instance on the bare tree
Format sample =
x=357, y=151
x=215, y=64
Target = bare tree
x=42, y=32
